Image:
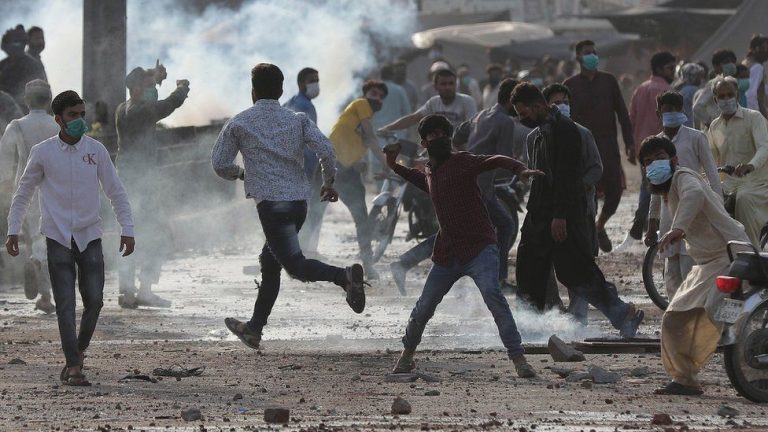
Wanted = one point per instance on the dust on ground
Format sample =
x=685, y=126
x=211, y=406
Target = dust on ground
x=329, y=365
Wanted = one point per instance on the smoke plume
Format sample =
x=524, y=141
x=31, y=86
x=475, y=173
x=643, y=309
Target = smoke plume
x=216, y=48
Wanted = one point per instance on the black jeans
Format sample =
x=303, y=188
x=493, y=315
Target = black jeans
x=281, y=222
x=349, y=184
x=89, y=264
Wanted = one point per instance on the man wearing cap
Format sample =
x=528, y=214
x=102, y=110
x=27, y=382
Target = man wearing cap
x=15, y=145
x=137, y=162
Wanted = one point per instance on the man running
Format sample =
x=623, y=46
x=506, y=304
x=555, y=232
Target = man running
x=271, y=140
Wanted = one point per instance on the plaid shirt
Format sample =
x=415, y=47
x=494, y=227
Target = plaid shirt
x=465, y=227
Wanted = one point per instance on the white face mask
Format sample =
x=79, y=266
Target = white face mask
x=313, y=89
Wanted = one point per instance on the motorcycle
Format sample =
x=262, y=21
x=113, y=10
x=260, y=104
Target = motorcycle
x=396, y=194
x=745, y=315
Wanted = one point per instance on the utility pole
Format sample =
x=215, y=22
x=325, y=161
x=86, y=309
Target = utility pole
x=104, y=62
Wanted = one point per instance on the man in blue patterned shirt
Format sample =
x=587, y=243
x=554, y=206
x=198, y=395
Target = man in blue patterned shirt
x=272, y=140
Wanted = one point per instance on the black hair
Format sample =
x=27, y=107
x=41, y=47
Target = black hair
x=554, y=89
x=303, y=75
x=65, y=100
x=582, y=44
x=660, y=59
x=387, y=72
x=756, y=41
x=652, y=144
x=505, y=90
x=434, y=122
x=375, y=84
x=671, y=98
x=527, y=94
x=723, y=56
x=443, y=73
x=267, y=81
x=741, y=68
x=34, y=29
x=16, y=32
x=493, y=67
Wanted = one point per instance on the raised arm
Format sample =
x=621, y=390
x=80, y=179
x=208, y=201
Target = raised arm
x=405, y=121
x=411, y=175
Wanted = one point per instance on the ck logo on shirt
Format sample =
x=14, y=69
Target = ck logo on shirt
x=90, y=158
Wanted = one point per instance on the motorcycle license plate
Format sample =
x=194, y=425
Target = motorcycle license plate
x=729, y=310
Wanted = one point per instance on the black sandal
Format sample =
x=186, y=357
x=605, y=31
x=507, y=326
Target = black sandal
x=75, y=380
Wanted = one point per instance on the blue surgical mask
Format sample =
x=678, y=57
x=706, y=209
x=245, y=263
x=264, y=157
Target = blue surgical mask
x=728, y=106
x=590, y=61
x=565, y=109
x=673, y=119
x=659, y=171
x=77, y=128
x=150, y=94
x=728, y=69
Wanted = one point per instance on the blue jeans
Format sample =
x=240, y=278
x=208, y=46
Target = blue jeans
x=506, y=232
x=88, y=265
x=483, y=269
x=349, y=184
x=281, y=222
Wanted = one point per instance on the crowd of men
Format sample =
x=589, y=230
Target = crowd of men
x=561, y=137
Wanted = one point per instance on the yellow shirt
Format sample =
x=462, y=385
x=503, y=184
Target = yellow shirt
x=740, y=140
x=346, y=136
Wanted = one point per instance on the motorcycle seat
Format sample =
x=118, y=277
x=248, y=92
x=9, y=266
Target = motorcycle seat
x=750, y=267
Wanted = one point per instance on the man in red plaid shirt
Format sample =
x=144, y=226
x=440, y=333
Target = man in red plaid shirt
x=466, y=241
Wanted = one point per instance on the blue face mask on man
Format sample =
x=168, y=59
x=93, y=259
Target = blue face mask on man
x=564, y=109
x=590, y=61
x=659, y=171
x=77, y=128
x=673, y=119
x=150, y=94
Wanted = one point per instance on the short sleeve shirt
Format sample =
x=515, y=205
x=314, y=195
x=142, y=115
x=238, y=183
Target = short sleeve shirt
x=346, y=134
x=461, y=109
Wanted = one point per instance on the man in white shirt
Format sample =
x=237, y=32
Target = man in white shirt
x=456, y=107
x=19, y=138
x=739, y=138
x=693, y=152
x=68, y=169
x=272, y=140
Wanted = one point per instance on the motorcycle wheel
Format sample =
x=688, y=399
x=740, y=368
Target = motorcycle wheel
x=653, y=278
x=382, y=220
x=748, y=376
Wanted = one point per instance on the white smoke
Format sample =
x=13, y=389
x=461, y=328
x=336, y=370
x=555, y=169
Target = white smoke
x=216, y=49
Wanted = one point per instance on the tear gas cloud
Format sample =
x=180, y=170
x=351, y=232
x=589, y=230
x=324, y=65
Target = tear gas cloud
x=216, y=49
